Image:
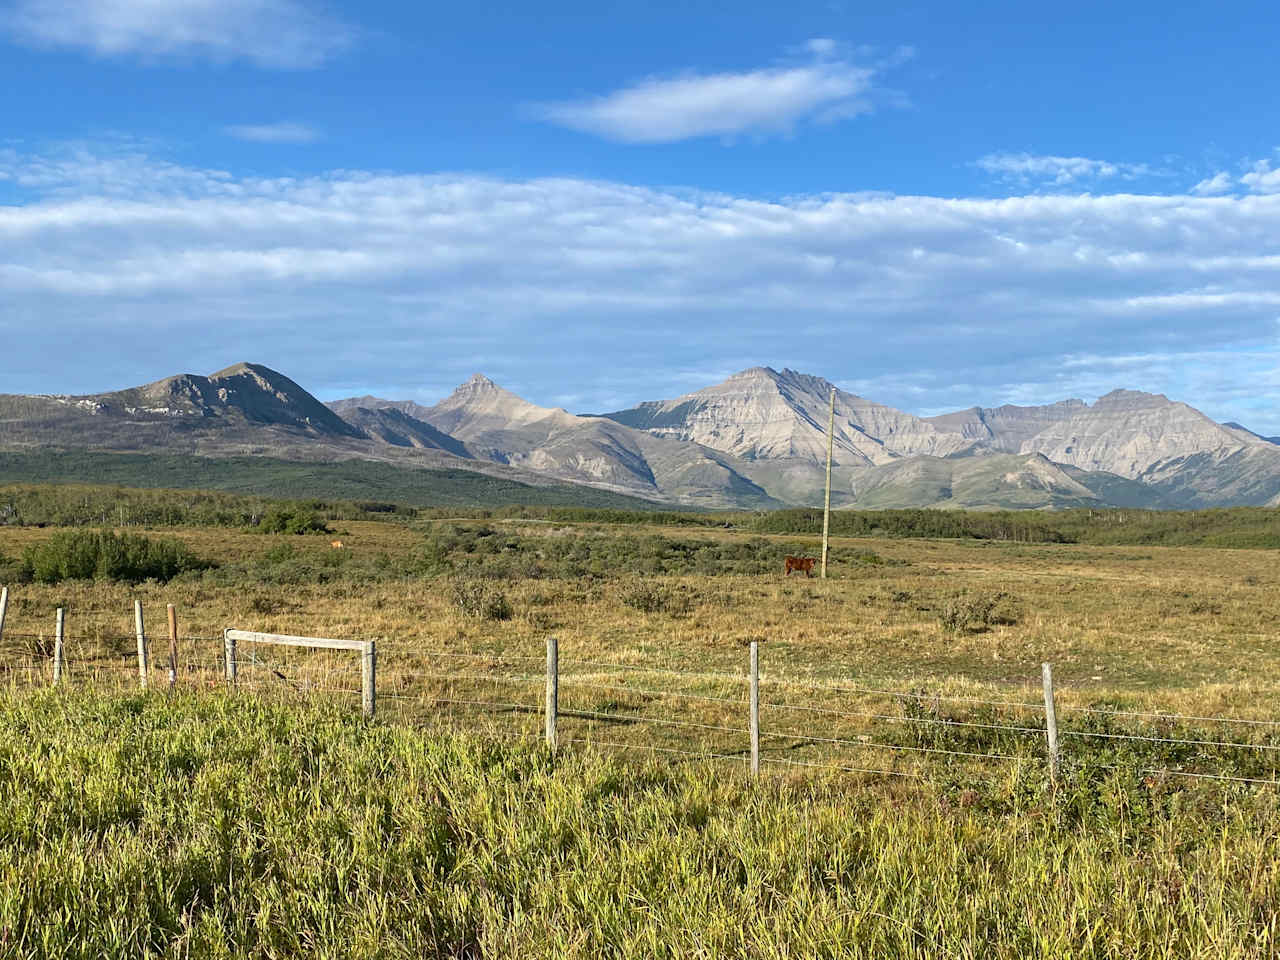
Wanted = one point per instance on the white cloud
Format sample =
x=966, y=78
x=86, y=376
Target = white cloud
x=1262, y=178
x=410, y=282
x=762, y=101
x=1058, y=171
x=282, y=34
x=1219, y=183
x=283, y=132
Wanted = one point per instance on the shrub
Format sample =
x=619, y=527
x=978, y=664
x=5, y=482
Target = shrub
x=978, y=610
x=652, y=598
x=89, y=555
x=485, y=601
x=296, y=520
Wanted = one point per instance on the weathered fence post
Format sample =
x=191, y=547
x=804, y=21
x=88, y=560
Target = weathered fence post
x=369, y=676
x=755, y=708
x=553, y=689
x=1050, y=719
x=173, y=645
x=59, y=650
x=4, y=608
x=229, y=652
x=143, y=662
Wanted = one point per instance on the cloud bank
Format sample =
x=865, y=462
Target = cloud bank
x=408, y=283
x=275, y=34
x=768, y=100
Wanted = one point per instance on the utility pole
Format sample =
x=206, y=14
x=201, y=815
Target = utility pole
x=826, y=513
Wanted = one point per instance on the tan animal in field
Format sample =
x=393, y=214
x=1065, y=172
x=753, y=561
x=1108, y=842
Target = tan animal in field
x=800, y=564
x=336, y=545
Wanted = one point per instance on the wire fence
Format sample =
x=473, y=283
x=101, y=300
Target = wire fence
x=752, y=718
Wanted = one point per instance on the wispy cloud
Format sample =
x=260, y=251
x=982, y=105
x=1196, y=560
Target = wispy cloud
x=938, y=302
x=279, y=34
x=1029, y=168
x=824, y=86
x=1219, y=183
x=282, y=132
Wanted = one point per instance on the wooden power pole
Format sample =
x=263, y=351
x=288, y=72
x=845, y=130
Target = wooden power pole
x=826, y=512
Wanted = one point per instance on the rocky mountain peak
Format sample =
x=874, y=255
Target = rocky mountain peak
x=1131, y=400
x=765, y=414
x=479, y=404
x=478, y=382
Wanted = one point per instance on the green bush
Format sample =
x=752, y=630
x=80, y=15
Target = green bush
x=295, y=520
x=91, y=555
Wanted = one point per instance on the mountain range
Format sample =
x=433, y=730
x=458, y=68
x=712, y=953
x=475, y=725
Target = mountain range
x=758, y=440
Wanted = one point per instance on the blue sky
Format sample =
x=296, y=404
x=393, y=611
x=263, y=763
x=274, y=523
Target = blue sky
x=935, y=205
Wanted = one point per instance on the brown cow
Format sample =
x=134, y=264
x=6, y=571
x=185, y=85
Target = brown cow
x=336, y=545
x=804, y=564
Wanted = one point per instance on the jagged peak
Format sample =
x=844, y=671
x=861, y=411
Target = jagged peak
x=479, y=387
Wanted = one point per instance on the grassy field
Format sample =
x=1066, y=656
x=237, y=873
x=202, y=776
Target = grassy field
x=910, y=681
x=1181, y=630
x=231, y=826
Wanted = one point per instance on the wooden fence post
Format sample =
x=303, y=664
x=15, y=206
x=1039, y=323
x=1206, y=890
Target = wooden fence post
x=553, y=689
x=173, y=645
x=59, y=649
x=369, y=677
x=229, y=651
x=143, y=662
x=1050, y=719
x=755, y=708
x=4, y=608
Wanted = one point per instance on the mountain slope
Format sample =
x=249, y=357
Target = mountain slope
x=994, y=481
x=1005, y=429
x=764, y=414
x=243, y=400
x=492, y=423
x=1127, y=433
x=776, y=421
x=245, y=410
x=346, y=479
x=391, y=425
x=756, y=440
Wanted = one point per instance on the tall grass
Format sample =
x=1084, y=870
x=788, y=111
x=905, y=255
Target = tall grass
x=134, y=826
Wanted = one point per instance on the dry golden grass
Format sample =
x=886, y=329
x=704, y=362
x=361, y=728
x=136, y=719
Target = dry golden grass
x=1182, y=630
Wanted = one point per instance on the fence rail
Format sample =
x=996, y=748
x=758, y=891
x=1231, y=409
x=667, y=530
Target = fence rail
x=751, y=718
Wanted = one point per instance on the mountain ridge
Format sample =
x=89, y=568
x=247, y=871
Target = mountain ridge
x=757, y=439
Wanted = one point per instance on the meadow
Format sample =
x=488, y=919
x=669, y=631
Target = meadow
x=904, y=807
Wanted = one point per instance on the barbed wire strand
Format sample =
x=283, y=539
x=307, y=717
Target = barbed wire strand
x=697, y=754
x=731, y=677
x=885, y=716
x=595, y=715
x=461, y=677
x=651, y=693
x=454, y=700
x=477, y=656
x=1166, y=716
x=870, y=691
x=875, y=744
x=1199, y=776
x=1194, y=743
x=833, y=766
